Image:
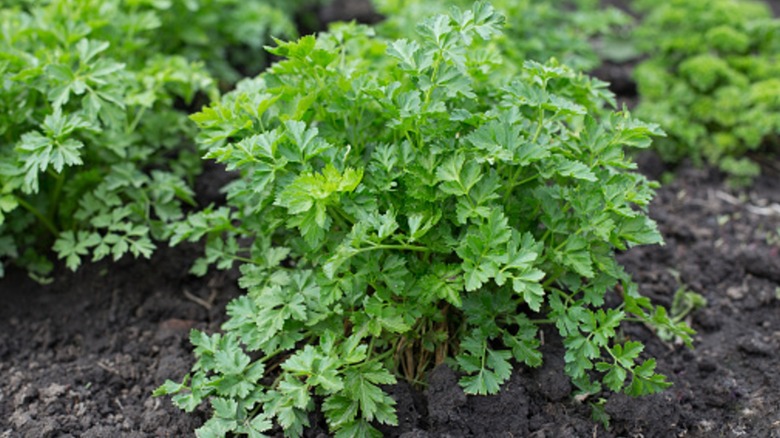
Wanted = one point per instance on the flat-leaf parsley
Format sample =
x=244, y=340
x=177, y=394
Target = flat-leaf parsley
x=402, y=202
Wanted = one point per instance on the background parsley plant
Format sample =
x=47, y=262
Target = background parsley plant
x=711, y=81
x=93, y=159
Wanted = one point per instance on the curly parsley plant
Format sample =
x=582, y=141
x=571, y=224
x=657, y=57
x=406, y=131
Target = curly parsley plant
x=711, y=80
x=403, y=203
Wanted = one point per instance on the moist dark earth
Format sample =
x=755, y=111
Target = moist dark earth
x=81, y=356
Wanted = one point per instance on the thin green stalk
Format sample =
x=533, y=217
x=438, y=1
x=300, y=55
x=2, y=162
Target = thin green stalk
x=543, y=321
x=134, y=124
x=238, y=258
x=514, y=183
x=399, y=247
x=37, y=213
x=341, y=218
x=539, y=126
x=55, y=198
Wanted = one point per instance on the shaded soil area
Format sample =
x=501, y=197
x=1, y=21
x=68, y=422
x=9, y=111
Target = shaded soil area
x=80, y=357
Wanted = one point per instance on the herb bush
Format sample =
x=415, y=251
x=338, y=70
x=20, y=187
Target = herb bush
x=536, y=29
x=711, y=80
x=407, y=202
x=90, y=157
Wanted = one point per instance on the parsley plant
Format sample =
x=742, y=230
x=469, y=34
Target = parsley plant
x=406, y=202
x=90, y=139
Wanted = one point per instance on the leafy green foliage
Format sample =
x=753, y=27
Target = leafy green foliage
x=711, y=80
x=401, y=201
x=227, y=35
x=569, y=30
x=91, y=156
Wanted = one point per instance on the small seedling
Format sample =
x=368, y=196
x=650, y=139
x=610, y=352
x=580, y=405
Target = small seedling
x=684, y=303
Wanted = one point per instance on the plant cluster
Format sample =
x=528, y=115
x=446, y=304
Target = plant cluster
x=96, y=156
x=91, y=153
x=406, y=202
x=711, y=79
x=567, y=30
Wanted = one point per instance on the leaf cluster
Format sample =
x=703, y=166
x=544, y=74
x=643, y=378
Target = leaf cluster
x=710, y=80
x=567, y=30
x=402, y=202
x=91, y=155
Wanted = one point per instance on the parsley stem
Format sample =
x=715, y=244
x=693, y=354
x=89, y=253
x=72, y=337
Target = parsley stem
x=381, y=357
x=237, y=257
x=543, y=321
x=546, y=235
x=633, y=319
x=272, y=355
x=437, y=64
x=562, y=244
x=568, y=298
x=55, y=199
x=136, y=120
x=341, y=217
x=242, y=259
x=515, y=183
x=41, y=217
x=400, y=247
x=539, y=126
x=527, y=180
